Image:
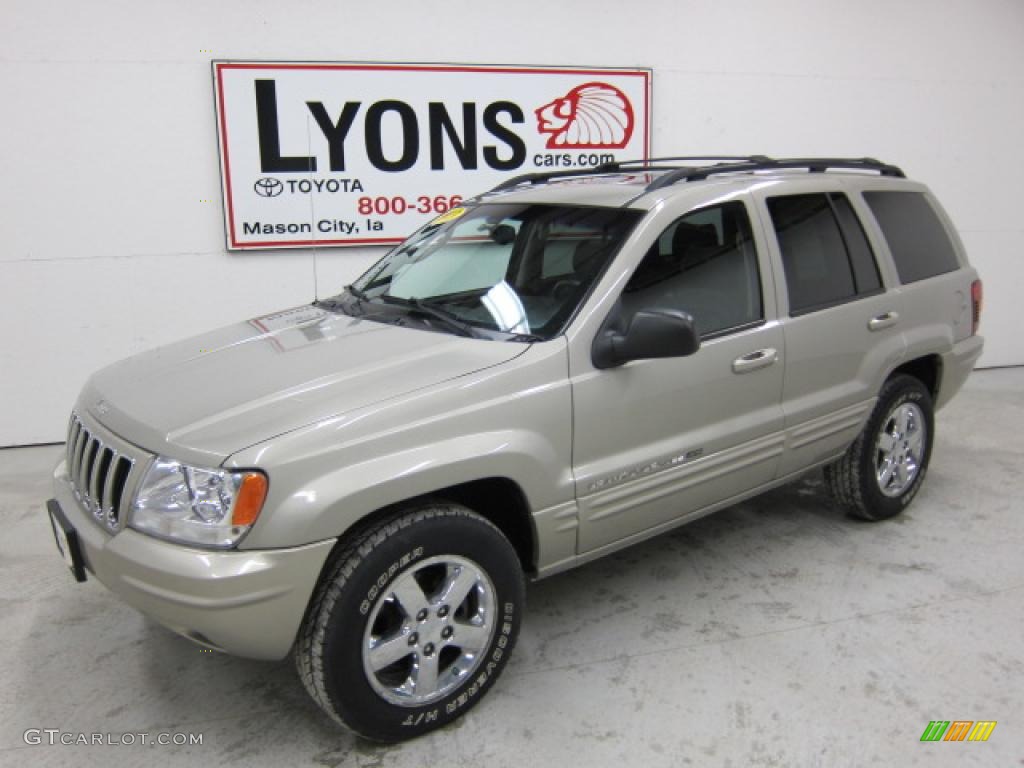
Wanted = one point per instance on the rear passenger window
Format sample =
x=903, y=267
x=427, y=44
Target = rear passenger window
x=918, y=241
x=865, y=270
x=704, y=264
x=825, y=255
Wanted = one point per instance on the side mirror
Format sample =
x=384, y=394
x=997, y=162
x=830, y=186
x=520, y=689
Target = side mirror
x=651, y=333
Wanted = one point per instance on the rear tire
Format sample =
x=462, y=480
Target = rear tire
x=882, y=471
x=412, y=622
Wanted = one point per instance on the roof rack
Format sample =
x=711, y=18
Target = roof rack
x=732, y=164
x=812, y=164
x=649, y=164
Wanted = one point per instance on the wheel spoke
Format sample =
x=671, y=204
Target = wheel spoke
x=915, y=441
x=903, y=419
x=900, y=473
x=885, y=475
x=425, y=674
x=410, y=596
x=384, y=653
x=458, y=585
x=470, y=638
x=886, y=442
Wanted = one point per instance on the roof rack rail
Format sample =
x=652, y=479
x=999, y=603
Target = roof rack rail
x=761, y=163
x=645, y=164
x=618, y=165
x=538, y=178
x=732, y=164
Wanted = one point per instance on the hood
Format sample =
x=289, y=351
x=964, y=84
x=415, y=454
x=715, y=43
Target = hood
x=207, y=397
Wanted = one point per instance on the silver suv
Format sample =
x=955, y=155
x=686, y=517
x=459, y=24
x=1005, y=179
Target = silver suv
x=564, y=366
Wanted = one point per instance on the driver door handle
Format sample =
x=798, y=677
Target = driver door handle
x=754, y=360
x=878, y=322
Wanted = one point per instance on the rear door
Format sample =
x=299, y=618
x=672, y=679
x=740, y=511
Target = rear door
x=840, y=320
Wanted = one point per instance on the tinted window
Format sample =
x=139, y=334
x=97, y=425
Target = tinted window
x=916, y=237
x=705, y=264
x=499, y=268
x=818, y=271
x=865, y=270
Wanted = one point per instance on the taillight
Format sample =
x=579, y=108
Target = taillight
x=975, y=306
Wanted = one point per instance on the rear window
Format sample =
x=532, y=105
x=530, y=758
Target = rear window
x=918, y=241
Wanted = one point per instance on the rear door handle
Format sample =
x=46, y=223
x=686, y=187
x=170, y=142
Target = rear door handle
x=754, y=360
x=878, y=322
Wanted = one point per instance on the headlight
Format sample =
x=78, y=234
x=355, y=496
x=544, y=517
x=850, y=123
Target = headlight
x=208, y=507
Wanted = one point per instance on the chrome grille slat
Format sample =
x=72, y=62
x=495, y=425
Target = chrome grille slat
x=106, y=495
x=72, y=442
x=70, y=446
x=99, y=482
x=88, y=462
x=76, y=457
x=120, y=489
x=93, y=473
x=76, y=432
x=83, y=460
x=101, y=470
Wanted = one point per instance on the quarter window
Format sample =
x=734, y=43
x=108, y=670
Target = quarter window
x=825, y=255
x=705, y=264
x=917, y=240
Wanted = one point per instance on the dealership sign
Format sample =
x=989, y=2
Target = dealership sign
x=363, y=154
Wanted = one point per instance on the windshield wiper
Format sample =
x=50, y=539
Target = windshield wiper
x=526, y=337
x=331, y=303
x=356, y=293
x=336, y=303
x=435, y=312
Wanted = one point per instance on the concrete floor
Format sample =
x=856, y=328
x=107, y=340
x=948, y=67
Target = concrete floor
x=774, y=633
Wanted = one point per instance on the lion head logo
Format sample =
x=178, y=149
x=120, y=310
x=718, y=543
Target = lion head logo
x=590, y=116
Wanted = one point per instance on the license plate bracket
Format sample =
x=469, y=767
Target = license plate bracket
x=66, y=538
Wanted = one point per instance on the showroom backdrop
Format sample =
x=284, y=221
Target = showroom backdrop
x=111, y=234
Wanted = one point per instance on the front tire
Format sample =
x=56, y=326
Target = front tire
x=882, y=471
x=412, y=623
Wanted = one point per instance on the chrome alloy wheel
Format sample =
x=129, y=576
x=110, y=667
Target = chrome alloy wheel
x=900, y=448
x=428, y=630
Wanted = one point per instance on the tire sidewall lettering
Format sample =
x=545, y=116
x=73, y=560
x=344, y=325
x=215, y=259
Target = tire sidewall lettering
x=385, y=577
x=485, y=674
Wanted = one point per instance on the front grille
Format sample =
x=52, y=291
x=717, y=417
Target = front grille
x=99, y=473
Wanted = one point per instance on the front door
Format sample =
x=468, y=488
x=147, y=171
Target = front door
x=657, y=441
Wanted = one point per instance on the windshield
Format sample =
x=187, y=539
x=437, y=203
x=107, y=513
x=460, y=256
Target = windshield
x=496, y=270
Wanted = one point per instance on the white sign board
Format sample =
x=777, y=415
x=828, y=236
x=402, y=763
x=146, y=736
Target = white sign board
x=363, y=154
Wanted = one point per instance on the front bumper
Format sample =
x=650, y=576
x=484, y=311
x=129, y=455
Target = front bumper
x=246, y=603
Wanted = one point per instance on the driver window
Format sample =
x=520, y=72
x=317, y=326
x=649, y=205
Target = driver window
x=705, y=264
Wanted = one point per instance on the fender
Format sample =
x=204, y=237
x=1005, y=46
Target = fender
x=326, y=477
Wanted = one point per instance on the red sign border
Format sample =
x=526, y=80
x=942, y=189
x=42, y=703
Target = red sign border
x=225, y=162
